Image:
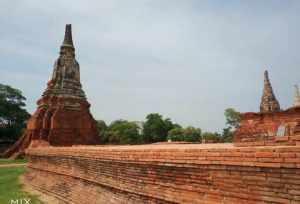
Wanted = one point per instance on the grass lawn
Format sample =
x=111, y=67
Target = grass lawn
x=10, y=188
x=12, y=161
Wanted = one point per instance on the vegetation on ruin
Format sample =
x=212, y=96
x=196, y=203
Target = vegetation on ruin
x=10, y=187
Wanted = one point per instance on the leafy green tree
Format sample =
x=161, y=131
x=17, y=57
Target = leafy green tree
x=232, y=122
x=210, y=136
x=192, y=134
x=227, y=135
x=176, y=134
x=13, y=115
x=155, y=129
x=189, y=134
x=123, y=132
x=232, y=118
x=102, y=127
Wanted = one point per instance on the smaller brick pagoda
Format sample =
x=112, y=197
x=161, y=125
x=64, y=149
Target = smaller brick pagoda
x=271, y=126
x=296, y=96
x=62, y=117
x=269, y=102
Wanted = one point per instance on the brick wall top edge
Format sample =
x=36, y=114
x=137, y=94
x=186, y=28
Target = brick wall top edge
x=168, y=148
x=216, y=154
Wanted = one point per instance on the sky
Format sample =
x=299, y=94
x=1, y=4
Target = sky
x=188, y=60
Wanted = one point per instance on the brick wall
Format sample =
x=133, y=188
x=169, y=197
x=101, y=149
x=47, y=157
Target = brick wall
x=186, y=173
x=261, y=129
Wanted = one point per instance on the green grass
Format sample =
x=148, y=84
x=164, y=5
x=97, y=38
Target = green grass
x=10, y=188
x=12, y=161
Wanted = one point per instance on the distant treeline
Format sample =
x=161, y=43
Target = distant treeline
x=155, y=128
x=158, y=129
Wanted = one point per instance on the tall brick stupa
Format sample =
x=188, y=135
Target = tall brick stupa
x=269, y=102
x=62, y=117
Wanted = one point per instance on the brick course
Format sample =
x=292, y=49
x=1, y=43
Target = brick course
x=187, y=173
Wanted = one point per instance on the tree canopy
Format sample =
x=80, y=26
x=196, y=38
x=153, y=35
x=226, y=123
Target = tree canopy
x=189, y=134
x=156, y=129
x=122, y=132
x=102, y=127
x=232, y=122
x=232, y=118
x=12, y=112
x=210, y=136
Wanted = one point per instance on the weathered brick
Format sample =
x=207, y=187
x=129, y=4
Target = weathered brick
x=155, y=174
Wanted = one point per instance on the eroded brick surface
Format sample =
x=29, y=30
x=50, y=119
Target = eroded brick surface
x=183, y=173
x=263, y=129
x=63, y=116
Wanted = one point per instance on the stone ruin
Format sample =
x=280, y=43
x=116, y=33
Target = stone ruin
x=62, y=117
x=271, y=126
x=166, y=174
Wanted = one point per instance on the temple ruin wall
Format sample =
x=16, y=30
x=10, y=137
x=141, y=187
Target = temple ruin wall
x=189, y=173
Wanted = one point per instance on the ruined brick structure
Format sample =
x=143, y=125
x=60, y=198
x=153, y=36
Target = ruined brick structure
x=271, y=126
x=296, y=96
x=275, y=128
x=157, y=173
x=269, y=102
x=176, y=173
x=62, y=117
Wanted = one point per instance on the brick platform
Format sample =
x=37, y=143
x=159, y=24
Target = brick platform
x=186, y=173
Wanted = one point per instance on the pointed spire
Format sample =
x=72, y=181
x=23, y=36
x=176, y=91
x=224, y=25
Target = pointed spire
x=296, y=96
x=269, y=102
x=65, y=81
x=68, y=36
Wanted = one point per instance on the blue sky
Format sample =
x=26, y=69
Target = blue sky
x=188, y=60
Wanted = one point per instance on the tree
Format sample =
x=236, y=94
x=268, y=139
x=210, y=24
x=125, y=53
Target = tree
x=13, y=116
x=209, y=136
x=155, y=129
x=227, y=135
x=232, y=118
x=189, y=134
x=192, y=134
x=176, y=134
x=123, y=132
x=102, y=127
x=232, y=122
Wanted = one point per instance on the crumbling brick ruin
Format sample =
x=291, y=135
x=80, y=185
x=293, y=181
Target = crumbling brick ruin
x=62, y=117
x=266, y=172
x=179, y=173
x=271, y=126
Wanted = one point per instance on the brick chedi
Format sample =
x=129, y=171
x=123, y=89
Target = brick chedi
x=269, y=102
x=296, y=96
x=271, y=126
x=62, y=117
